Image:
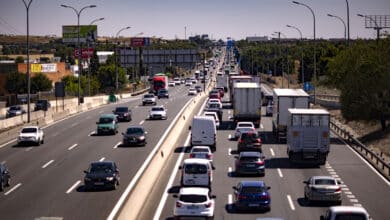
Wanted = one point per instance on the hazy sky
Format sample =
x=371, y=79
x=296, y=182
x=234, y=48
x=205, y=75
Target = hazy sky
x=218, y=18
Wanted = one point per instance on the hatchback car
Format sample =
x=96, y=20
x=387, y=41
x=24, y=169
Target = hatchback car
x=171, y=83
x=322, y=188
x=135, y=135
x=122, y=113
x=243, y=127
x=103, y=174
x=177, y=81
x=149, y=99
x=346, y=212
x=107, y=124
x=158, y=112
x=42, y=104
x=252, y=195
x=192, y=91
x=5, y=177
x=31, y=134
x=249, y=141
x=188, y=83
x=250, y=163
x=201, y=152
x=14, y=111
x=163, y=93
x=194, y=202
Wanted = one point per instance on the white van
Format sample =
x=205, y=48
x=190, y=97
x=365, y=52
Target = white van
x=196, y=172
x=203, y=131
x=215, y=116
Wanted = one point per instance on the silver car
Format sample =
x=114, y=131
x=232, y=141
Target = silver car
x=323, y=188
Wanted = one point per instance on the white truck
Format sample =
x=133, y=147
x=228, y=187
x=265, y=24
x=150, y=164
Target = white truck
x=247, y=102
x=308, y=135
x=284, y=99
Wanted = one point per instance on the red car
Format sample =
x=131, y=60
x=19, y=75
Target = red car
x=221, y=91
x=215, y=95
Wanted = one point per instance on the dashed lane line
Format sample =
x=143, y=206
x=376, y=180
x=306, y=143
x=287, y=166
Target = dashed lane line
x=92, y=133
x=141, y=122
x=73, y=146
x=280, y=173
x=272, y=152
x=102, y=159
x=47, y=164
x=290, y=202
x=13, y=189
x=73, y=186
x=116, y=145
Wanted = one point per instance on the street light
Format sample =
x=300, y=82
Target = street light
x=89, y=62
x=302, y=69
x=345, y=28
x=348, y=19
x=377, y=28
x=116, y=66
x=28, y=61
x=78, y=42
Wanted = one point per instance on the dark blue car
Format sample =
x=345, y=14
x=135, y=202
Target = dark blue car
x=252, y=195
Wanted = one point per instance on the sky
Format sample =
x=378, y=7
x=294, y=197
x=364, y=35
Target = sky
x=172, y=19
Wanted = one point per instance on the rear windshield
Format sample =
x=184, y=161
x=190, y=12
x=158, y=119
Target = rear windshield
x=29, y=130
x=249, y=159
x=324, y=182
x=252, y=190
x=196, y=150
x=195, y=169
x=101, y=168
x=135, y=131
x=245, y=125
x=148, y=96
x=350, y=216
x=157, y=109
x=105, y=120
x=249, y=136
x=15, y=108
x=193, y=198
x=122, y=109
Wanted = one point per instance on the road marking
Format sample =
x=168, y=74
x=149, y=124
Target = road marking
x=102, y=159
x=261, y=127
x=5, y=144
x=280, y=173
x=74, y=124
x=230, y=151
x=351, y=197
x=13, y=189
x=73, y=146
x=345, y=188
x=141, y=122
x=230, y=199
x=28, y=149
x=47, y=164
x=354, y=200
x=358, y=205
x=290, y=202
x=92, y=133
x=332, y=173
x=272, y=152
x=73, y=186
x=229, y=112
x=335, y=176
x=330, y=170
x=116, y=145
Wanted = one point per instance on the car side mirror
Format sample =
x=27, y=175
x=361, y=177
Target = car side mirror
x=339, y=182
x=113, y=111
x=306, y=182
x=213, y=196
x=123, y=133
x=175, y=196
x=268, y=187
x=235, y=188
x=236, y=157
x=180, y=167
x=6, y=172
x=117, y=170
x=262, y=157
x=97, y=122
x=213, y=167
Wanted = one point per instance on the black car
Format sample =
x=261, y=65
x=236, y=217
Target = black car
x=42, y=104
x=163, y=93
x=123, y=113
x=250, y=163
x=101, y=174
x=5, y=177
x=135, y=135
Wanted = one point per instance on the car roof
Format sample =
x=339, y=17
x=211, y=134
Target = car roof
x=158, y=106
x=323, y=177
x=196, y=160
x=244, y=122
x=347, y=209
x=250, y=154
x=252, y=183
x=102, y=162
x=194, y=190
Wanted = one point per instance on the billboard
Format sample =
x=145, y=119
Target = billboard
x=140, y=41
x=43, y=68
x=85, y=53
x=87, y=33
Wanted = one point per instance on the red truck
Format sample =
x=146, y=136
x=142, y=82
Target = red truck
x=160, y=81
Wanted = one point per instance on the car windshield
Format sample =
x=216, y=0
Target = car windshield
x=193, y=198
x=105, y=120
x=249, y=159
x=138, y=131
x=29, y=130
x=101, y=168
x=162, y=91
x=148, y=96
x=195, y=169
x=252, y=189
x=15, y=108
x=157, y=109
x=350, y=216
x=196, y=150
x=122, y=109
x=324, y=182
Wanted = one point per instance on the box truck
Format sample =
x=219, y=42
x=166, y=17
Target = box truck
x=247, y=102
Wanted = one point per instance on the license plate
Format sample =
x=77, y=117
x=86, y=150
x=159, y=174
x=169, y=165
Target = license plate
x=253, y=205
x=99, y=184
x=250, y=165
x=192, y=207
x=191, y=181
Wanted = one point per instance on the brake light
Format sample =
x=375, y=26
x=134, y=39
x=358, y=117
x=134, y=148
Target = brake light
x=209, y=173
x=258, y=140
x=241, y=141
x=264, y=197
x=208, y=205
x=178, y=204
x=209, y=156
x=338, y=189
x=260, y=162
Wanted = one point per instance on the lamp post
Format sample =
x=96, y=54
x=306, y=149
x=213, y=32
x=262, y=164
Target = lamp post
x=28, y=61
x=348, y=20
x=116, y=66
x=302, y=69
x=78, y=42
x=89, y=62
x=377, y=28
x=345, y=28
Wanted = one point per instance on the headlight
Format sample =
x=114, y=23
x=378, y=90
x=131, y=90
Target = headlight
x=142, y=137
x=110, y=178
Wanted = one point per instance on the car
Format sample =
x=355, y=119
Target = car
x=215, y=116
x=158, y=112
x=215, y=96
x=171, y=84
x=182, y=81
x=101, y=174
x=193, y=80
x=249, y=162
x=252, y=195
x=188, y=83
x=215, y=107
x=322, y=188
x=198, y=88
x=269, y=109
x=194, y=202
x=221, y=91
x=31, y=134
x=346, y=212
x=149, y=99
x=107, y=124
x=122, y=113
x=177, y=81
x=217, y=101
x=192, y=91
x=196, y=172
x=5, y=177
x=42, y=104
x=201, y=152
x=249, y=141
x=163, y=93
x=14, y=111
x=134, y=135
x=243, y=126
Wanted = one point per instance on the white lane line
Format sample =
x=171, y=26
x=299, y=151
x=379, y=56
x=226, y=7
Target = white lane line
x=335, y=176
x=272, y=152
x=348, y=193
x=73, y=186
x=280, y=173
x=74, y=124
x=92, y=133
x=351, y=197
x=141, y=122
x=230, y=151
x=73, y=146
x=345, y=189
x=116, y=145
x=229, y=112
x=5, y=144
x=47, y=164
x=330, y=170
x=332, y=173
x=102, y=159
x=230, y=199
x=28, y=149
x=354, y=200
x=290, y=202
x=358, y=205
x=13, y=189
x=261, y=127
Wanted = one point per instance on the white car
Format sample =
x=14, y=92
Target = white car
x=194, y=202
x=158, y=112
x=346, y=212
x=149, y=99
x=188, y=83
x=214, y=101
x=171, y=83
x=176, y=81
x=243, y=126
x=31, y=134
x=215, y=116
x=201, y=152
x=192, y=91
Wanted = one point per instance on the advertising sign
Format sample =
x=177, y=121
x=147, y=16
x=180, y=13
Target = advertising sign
x=43, y=68
x=87, y=33
x=139, y=41
x=85, y=53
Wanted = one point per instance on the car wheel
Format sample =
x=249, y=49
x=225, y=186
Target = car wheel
x=42, y=141
x=210, y=218
x=39, y=142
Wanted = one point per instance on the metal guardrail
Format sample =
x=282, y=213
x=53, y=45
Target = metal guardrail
x=372, y=157
x=335, y=98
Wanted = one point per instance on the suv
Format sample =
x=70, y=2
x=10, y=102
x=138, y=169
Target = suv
x=14, y=111
x=122, y=113
x=149, y=99
x=107, y=124
x=102, y=174
x=31, y=134
x=194, y=202
x=346, y=212
x=158, y=112
x=163, y=93
x=5, y=177
x=42, y=104
x=249, y=141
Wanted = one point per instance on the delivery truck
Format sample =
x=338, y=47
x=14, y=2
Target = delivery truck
x=247, y=102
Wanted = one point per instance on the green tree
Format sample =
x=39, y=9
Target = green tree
x=107, y=76
x=40, y=82
x=19, y=59
x=16, y=83
x=71, y=85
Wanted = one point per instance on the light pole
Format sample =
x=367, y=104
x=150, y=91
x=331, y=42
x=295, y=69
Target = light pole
x=377, y=28
x=89, y=62
x=348, y=20
x=28, y=61
x=302, y=69
x=345, y=28
x=116, y=66
x=78, y=43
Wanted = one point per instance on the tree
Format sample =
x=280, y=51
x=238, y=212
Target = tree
x=71, y=85
x=19, y=59
x=16, y=83
x=107, y=76
x=40, y=82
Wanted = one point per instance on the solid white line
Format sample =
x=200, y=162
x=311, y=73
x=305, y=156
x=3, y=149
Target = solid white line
x=47, y=164
x=74, y=186
x=74, y=124
x=290, y=202
x=272, y=152
x=280, y=173
x=5, y=144
x=73, y=146
x=13, y=189
x=116, y=145
x=141, y=122
x=102, y=159
x=230, y=199
x=230, y=151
